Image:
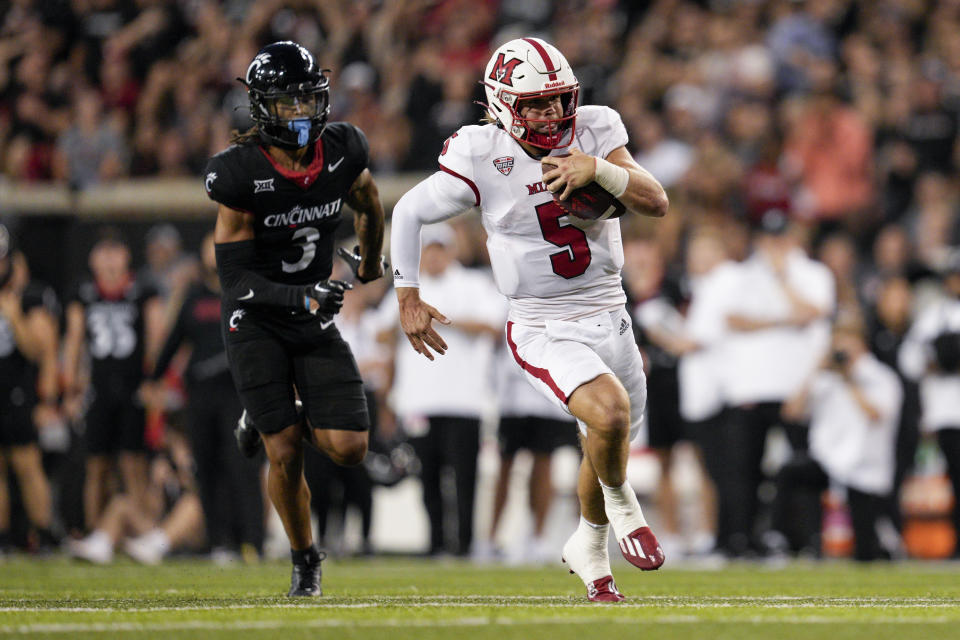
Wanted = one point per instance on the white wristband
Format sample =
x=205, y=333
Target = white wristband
x=611, y=177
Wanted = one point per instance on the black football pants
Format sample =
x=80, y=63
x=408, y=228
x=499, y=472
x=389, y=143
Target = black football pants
x=450, y=447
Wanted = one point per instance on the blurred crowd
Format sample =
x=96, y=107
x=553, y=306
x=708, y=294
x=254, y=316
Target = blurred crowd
x=842, y=112
x=808, y=148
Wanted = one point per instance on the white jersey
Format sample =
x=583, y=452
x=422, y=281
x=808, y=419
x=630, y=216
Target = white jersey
x=546, y=266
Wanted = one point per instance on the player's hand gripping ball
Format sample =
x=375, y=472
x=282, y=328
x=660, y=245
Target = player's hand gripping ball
x=589, y=202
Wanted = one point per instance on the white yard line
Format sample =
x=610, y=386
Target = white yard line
x=512, y=602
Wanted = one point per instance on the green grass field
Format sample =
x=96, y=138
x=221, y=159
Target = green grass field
x=390, y=598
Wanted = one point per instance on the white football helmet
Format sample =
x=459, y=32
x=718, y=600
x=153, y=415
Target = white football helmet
x=531, y=68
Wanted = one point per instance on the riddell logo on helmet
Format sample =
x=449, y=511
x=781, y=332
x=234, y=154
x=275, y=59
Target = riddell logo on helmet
x=502, y=72
x=551, y=85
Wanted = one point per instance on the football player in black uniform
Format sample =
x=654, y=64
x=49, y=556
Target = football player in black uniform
x=118, y=321
x=28, y=353
x=229, y=484
x=280, y=188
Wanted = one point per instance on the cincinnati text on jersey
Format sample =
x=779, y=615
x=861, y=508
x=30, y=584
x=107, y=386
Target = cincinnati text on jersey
x=299, y=215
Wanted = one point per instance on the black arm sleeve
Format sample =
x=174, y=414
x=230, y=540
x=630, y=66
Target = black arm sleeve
x=240, y=283
x=172, y=343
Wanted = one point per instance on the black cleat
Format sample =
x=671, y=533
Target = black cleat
x=248, y=438
x=305, y=579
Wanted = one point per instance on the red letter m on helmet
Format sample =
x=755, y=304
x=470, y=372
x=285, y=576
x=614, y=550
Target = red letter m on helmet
x=503, y=71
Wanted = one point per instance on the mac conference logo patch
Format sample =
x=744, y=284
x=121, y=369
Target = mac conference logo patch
x=504, y=165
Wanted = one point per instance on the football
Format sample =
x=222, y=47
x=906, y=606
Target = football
x=591, y=202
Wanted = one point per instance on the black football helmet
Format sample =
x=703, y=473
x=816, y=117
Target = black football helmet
x=289, y=95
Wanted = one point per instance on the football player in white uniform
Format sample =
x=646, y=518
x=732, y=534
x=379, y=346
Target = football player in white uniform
x=567, y=327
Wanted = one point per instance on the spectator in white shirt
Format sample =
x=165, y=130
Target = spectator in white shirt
x=656, y=297
x=930, y=354
x=700, y=373
x=853, y=402
x=440, y=403
x=777, y=325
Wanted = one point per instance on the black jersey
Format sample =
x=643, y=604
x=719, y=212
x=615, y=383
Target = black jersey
x=115, y=332
x=15, y=369
x=296, y=213
x=198, y=323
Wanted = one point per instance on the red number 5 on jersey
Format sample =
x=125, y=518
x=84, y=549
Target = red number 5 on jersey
x=575, y=258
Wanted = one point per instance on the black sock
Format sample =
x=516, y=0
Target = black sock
x=310, y=555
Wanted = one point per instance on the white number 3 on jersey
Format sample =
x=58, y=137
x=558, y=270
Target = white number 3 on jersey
x=308, y=237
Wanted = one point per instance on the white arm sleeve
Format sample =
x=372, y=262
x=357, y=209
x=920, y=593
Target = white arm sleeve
x=438, y=198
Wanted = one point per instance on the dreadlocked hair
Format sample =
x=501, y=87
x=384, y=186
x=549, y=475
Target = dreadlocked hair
x=248, y=137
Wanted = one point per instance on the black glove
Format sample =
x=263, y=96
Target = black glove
x=353, y=258
x=328, y=294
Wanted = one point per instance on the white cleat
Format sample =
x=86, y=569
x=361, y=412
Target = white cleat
x=589, y=560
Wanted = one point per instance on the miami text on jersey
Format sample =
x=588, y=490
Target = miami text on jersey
x=535, y=188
